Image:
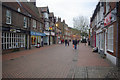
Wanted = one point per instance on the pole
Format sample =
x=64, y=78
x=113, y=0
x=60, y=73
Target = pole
x=117, y=60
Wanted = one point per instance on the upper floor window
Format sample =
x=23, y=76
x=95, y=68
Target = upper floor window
x=41, y=26
x=19, y=10
x=46, y=15
x=8, y=17
x=25, y=22
x=34, y=23
x=107, y=7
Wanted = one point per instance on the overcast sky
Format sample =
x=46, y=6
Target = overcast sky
x=67, y=9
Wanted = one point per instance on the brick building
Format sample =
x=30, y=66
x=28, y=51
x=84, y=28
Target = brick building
x=21, y=26
x=45, y=12
x=104, y=30
x=15, y=28
x=52, y=28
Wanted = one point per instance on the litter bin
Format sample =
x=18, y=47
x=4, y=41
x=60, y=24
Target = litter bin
x=38, y=45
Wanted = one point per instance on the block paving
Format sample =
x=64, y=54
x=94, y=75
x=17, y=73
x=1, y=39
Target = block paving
x=57, y=61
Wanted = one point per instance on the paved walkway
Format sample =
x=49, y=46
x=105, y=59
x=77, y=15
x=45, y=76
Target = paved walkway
x=56, y=61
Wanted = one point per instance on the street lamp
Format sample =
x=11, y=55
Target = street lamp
x=56, y=25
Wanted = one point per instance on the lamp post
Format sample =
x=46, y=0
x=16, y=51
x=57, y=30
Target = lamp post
x=56, y=25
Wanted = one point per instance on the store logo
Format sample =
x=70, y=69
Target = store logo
x=13, y=30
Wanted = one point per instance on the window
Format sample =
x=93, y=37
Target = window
x=101, y=41
x=40, y=26
x=25, y=22
x=8, y=17
x=34, y=23
x=110, y=38
x=12, y=40
x=107, y=7
x=19, y=10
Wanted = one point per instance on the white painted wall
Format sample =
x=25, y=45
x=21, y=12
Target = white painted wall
x=111, y=58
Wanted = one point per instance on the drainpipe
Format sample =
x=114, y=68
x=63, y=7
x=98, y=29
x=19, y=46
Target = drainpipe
x=117, y=59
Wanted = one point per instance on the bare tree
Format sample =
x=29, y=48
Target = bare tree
x=81, y=23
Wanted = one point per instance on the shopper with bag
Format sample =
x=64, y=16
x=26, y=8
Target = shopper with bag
x=75, y=43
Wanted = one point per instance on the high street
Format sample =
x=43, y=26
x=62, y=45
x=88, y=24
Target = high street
x=56, y=61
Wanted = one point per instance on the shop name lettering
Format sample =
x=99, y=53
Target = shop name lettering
x=14, y=30
x=33, y=33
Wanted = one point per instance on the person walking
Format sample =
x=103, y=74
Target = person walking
x=75, y=44
x=66, y=42
x=85, y=41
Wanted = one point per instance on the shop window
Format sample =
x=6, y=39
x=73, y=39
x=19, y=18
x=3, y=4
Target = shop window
x=110, y=38
x=101, y=41
x=8, y=17
x=12, y=40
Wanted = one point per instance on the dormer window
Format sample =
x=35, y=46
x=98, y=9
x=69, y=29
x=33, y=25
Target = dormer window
x=19, y=10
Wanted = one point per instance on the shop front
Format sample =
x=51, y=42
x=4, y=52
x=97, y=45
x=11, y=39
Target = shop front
x=14, y=39
x=110, y=35
x=53, y=40
x=36, y=38
x=46, y=38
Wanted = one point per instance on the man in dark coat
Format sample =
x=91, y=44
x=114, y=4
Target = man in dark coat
x=75, y=44
x=66, y=42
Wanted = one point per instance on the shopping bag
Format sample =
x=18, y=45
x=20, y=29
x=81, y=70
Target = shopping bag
x=73, y=46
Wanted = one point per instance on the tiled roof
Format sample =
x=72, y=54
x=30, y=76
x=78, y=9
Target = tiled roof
x=26, y=8
x=14, y=6
x=31, y=9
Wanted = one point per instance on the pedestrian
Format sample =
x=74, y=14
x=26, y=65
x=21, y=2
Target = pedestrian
x=75, y=44
x=85, y=41
x=66, y=42
x=78, y=42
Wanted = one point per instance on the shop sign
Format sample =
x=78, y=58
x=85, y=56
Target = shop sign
x=52, y=33
x=47, y=33
x=111, y=17
x=13, y=30
x=107, y=19
x=50, y=28
x=37, y=34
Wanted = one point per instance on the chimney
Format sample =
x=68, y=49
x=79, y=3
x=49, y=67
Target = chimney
x=63, y=21
x=33, y=2
x=59, y=19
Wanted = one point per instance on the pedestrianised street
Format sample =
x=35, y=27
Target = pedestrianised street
x=68, y=39
x=56, y=61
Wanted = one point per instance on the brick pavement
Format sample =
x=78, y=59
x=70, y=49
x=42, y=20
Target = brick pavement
x=17, y=54
x=56, y=61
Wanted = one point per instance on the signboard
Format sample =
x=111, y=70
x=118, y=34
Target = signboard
x=47, y=33
x=37, y=33
x=52, y=33
x=111, y=17
x=107, y=19
x=50, y=28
